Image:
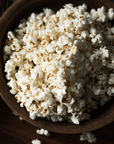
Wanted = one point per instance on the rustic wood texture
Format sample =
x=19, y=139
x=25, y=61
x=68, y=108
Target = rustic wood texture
x=15, y=131
x=104, y=115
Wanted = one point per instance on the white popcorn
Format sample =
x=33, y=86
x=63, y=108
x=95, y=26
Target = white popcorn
x=93, y=31
x=33, y=115
x=111, y=79
x=61, y=64
x=110, y=14
x=96, y=90
x=96, y=39
x=75, y=119
x=85, y=34
x=43, y=132
x=9, y=66
x=54, y=118
x=11, y=36
x=104, y=52
x=13, y=85
x=99, y=15
x=48, y=12
x=61, y=110
x=36, y=141
x=68, y=24
x=7, y=50
x=110, y=91
x=88, y=136
x=68, y=62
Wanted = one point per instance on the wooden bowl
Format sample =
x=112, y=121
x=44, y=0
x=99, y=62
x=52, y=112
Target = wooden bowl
x=21, y=8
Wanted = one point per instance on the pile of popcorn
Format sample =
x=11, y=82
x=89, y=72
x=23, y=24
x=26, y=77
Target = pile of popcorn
x=60, y=65
x=88, y=136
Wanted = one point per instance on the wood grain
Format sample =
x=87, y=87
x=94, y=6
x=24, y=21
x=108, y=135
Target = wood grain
x=15, y=131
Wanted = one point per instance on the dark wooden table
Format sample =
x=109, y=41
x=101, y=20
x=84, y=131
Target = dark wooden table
x=15, y=131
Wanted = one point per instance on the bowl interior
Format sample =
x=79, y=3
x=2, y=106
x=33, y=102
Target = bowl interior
x=9, y=20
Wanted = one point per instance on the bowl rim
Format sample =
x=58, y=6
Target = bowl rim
x=98, y=122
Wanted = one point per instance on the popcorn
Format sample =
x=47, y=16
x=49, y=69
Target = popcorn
x=75, y=119
x=36, y=141
x=54, y=118
x=99, y=15
x=88, y=136
x=43, y=132
x=85, y=34
x=13, y=85
x=48, y=12
x=9, y=66
x=7, y=50
x=111, y=79
x=93, y=31
x=61, y=64
x=104, y=52
x=110, y=14
x=32, y=115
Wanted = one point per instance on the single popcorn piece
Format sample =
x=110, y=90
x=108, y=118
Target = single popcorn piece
x=110, y=14
x=88, y=136
x=60, y=65
x=36, y=141
x=43, y=132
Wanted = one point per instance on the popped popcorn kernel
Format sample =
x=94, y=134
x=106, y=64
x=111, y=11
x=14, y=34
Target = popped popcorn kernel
x=88, y=136
x=36, y=141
